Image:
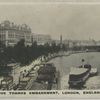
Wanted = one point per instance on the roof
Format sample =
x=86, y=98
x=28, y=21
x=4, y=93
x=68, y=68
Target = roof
x=77, y=71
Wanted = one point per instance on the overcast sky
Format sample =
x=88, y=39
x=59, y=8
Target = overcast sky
x=72, y=21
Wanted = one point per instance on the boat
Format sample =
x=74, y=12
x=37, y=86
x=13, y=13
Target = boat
x=47, y=74
x=79, y=75
x=93, y=72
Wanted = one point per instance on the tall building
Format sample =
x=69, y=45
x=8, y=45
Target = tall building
x=41, y=39
x=11, y=33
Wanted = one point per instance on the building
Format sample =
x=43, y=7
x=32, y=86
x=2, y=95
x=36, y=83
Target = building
x=78, y=43
x=11, y=33
x=85, y=43
x=41, y=39
x=68, y=43
x=98, y=43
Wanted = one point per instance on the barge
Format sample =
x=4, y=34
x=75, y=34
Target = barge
x=47, y=74
x=79, y=75
x=93, y=72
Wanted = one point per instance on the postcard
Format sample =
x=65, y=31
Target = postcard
x=50, y=49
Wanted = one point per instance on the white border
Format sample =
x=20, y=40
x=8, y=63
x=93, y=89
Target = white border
x=38, y=3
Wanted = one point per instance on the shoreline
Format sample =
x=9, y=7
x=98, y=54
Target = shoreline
x=28, y=68
x=58, y=85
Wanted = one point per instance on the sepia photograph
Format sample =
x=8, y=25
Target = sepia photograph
x=49, y=46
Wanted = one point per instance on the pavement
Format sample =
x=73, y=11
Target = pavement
x=24, y=70
x=20, y=70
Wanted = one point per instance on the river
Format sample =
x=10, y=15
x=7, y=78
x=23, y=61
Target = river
x=64, y=63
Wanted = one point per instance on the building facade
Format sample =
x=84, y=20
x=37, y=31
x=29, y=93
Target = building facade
x=78, y=43
x=11, y=33
x=41, y=39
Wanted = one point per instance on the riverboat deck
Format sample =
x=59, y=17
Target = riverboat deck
x=93, y=71
x=77, y=71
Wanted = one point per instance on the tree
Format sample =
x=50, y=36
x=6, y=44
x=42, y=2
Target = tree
x=20, y=51
x=2, y=45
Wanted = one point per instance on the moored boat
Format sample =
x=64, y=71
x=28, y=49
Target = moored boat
x=93, y=72
x=79, y=75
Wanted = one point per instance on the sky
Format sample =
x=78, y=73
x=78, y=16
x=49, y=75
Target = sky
x=49, y=0
x=72, y=21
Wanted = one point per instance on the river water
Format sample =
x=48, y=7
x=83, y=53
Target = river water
x=64, y=63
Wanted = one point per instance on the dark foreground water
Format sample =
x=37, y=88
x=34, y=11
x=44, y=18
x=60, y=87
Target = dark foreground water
x=63, y=64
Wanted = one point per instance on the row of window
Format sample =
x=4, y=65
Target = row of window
x=10, y=35
x=2, y=36
x=11, y=41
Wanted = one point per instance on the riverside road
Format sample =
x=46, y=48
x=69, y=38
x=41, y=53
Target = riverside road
x=64, y=63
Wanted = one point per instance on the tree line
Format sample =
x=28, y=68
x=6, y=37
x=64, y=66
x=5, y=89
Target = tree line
x=25, y=54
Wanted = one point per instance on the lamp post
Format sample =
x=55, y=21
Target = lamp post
x=83, y=63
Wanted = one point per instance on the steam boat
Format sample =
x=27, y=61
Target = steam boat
x=79, y=75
